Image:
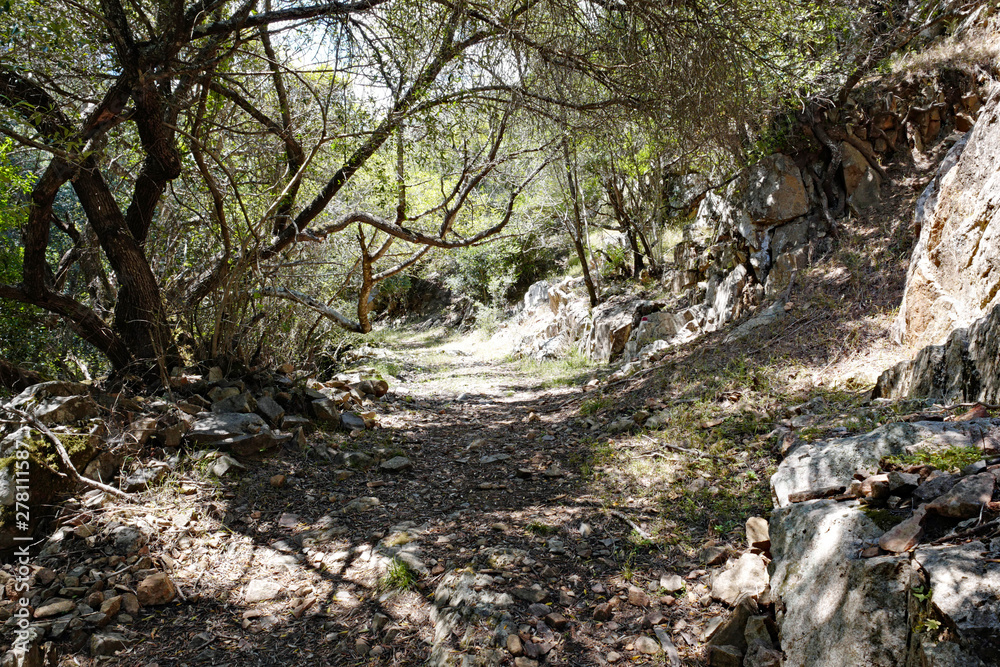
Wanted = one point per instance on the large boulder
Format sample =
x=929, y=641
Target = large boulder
x=954, y=274
x=965, y=588
x=774, y=192
x=836, y=610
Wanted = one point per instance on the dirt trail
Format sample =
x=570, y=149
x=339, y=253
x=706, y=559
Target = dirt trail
x=494, y=484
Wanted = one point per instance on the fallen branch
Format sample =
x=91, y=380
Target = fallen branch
x=677, y=448
x=972, y=532
x=64, y=455
x=643, y=534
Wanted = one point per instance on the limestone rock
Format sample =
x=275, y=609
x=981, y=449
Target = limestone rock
x=774, y=191
x=747, y=576
x=827, y=464
x=861, y=181
x=839, y=611
x=946, y=654
x=966, y=589
x=953, y=278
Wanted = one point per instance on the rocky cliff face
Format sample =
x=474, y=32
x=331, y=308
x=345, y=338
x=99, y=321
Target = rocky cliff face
x=954, y=275
x=952, y=299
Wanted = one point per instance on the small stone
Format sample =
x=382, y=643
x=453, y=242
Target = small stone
x=45, y=576
x=903, y=483
x=713, y=555
x=756, y=631
x=904, y=536
x=974, y=468
x=613, y=657
x=525, y=662
x=557, y=621
x=379, y=621
x=277, y=481
x=937, y=484
x=268, y=408
x=107, y=644
x=83, y=531
x=724, y=656
x=651, y=619
x=112, y=606
x=361, y=647
x=156, y=589
x=538, y=609
x=671, y=583
x=130, y=603
x=603, y=612
x=55, y=608
x=757, y=533
x=966, y=498
x=647, y=645
x=514, y=645
x=747, y=576
x=397, y=464
x=224, y=464
x=531, y=594
x=759, y=655
x=637, y=597
x=262, y=590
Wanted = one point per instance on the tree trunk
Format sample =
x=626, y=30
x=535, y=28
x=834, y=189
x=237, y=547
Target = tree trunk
x=577, y=231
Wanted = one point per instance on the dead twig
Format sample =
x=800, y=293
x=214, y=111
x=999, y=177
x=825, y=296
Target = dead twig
x=64, y=455
x=678, y=448
x=971, y=532
x=632, y=524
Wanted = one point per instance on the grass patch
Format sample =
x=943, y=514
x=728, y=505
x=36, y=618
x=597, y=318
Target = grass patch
x=592, y=406
x=399, y=577
x=571, y=369
x=945, y=459
x=541, y=529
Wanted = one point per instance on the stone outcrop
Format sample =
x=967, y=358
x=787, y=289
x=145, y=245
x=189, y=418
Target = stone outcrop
x=954, y=274
x=849, y=590
x=965, y=368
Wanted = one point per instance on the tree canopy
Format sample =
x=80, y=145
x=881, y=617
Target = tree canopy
x=190, y=163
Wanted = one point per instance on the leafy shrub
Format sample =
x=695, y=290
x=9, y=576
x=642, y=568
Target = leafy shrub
x=497, y=272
